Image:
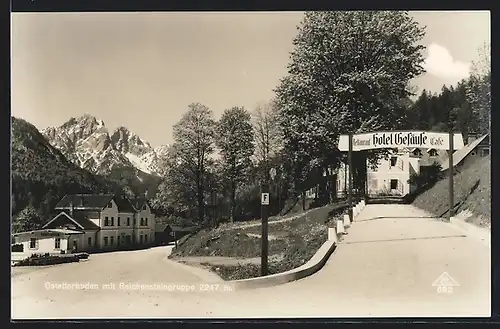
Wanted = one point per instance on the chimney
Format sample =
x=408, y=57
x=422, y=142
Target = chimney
x=71, y=208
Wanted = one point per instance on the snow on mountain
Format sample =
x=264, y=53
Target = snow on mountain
x=87, y=142
x=154, y=160
x=138, y=163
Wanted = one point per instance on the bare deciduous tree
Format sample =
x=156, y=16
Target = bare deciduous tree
x=268, y=135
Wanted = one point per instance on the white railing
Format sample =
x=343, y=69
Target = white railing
x=400, y=164
x=400, y=187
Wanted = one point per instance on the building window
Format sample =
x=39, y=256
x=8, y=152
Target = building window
x=484, y=152
x=105, y=241
x=394, y=160
x=144, y=207
x=145, y=238
x=57, y=243
x=128, y=221
x=135, y=221
x=106, y=221
x=141, y=238
x=417, y=152
x=112, y=221
x=118, y=221
x=110, y=205
x=89, y=241
x=112, y=240
x=146, y=221
x=118, y=240
x=33, y=243
x=394, y=184
x=432, y=152
x=142, y=221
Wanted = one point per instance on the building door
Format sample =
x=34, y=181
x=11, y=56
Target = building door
x=75, y=246
x=394, y=185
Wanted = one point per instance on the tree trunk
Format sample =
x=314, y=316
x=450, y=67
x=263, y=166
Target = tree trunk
x=232, y=203
x=303, y=201
x=201, y=205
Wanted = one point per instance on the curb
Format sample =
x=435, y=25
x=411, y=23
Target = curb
x=204, y=274
x=471, y=230
x=312, y=266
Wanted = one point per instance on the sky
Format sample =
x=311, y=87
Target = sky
x=142, y=70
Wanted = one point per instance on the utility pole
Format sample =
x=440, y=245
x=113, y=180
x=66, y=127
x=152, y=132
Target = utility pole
x=451, y=137
x=450, y=173
x=349, y=197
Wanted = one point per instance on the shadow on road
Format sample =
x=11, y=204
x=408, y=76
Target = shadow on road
x=409, y=239
x=396, y=217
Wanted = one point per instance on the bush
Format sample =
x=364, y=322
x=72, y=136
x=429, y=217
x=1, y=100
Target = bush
x=384, y=192
x=47, y=259
x=428, y=175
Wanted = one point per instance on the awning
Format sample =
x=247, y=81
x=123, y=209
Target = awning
x=48, y=231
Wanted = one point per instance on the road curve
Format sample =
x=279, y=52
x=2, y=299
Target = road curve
x=385, y=266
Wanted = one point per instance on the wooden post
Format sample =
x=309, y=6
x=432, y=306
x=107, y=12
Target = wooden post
x=450, y=180
x=349, y=160
x=264, y=234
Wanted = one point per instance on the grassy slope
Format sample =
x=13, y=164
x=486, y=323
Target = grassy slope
x=297, y=241
x=472, y=189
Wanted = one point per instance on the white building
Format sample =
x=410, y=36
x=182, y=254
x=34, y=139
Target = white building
x=44, y=241
x=391, y=175
x=95, y=222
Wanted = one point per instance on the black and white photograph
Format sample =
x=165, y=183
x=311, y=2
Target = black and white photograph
x=266, y=164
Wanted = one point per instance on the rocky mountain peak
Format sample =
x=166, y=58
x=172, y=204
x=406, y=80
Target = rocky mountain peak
x=127, y=142
x=87, y=142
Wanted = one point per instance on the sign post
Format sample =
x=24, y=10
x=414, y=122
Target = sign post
x=396, y=139
x=264, y=238
x=450, y=180
x=349, y=196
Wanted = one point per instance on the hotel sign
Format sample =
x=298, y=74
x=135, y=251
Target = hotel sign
x=50, y=234
x=396, y=139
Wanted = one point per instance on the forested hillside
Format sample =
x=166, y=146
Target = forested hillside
x=433, y=111
x=41, y=176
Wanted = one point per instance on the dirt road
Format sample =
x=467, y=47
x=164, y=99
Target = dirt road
x=384, y=267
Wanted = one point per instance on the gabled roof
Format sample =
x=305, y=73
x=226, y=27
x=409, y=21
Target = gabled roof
x=64, y=215
x=79, y=218
x=94, y=202
x=160, y=227
x=87, y=201
x=124, y=205
x=427, y=160
x=459, y=155
x=139, y=203
x=83, y=219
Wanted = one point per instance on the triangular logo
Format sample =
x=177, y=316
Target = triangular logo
x=445, y=280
